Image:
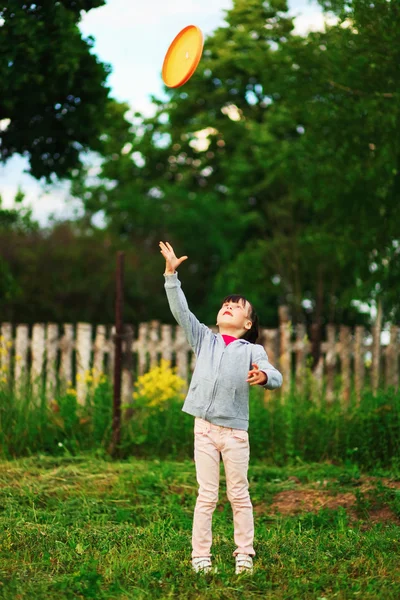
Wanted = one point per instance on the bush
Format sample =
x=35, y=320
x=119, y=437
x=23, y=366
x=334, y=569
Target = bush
x=159, y=386
x=281, y=431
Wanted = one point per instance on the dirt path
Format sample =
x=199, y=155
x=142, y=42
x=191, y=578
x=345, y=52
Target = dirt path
x=370, y=500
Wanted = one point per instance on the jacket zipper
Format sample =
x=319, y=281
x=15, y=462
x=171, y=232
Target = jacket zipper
x=215, y=383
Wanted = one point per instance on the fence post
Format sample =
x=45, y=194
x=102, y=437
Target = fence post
x=301, y=347
x=345, y=352
x=83, y=350
x=181, y=346
x=51, y=359
x=270, y=341
x=67, y=347
x=127, y=367
x=284, y=353
x=271, y=344
x=111, y=351
x=359, y=364
x=330, y=362
x=376, y=348
x=318, y=379
x=154, y=343
x=142, y=348
x=6, y=350
x=21, y=356
x=166, y=342
x=99, y=348
x=117, y=379
x=392, y=359
x=38, y=348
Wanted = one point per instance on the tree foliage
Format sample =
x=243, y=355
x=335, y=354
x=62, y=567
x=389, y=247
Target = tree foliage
x=282, y=155
x=66, y=274
x=275, y=169
x=53, y=92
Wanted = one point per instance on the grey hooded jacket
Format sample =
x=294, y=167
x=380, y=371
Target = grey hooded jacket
x=218, y=391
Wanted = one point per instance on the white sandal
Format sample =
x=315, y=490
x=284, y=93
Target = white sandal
x=244, y=562
x=202, y=564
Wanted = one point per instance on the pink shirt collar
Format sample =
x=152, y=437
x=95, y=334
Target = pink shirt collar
x=228, y=338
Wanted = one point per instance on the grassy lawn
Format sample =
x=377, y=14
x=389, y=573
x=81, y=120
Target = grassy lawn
x=86, y=527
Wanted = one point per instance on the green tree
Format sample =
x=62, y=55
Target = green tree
x=13, y=221
x=281, y=155
x=61, y=274
x=53, y=92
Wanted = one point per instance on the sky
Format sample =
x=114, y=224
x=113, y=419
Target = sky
x=132, y=37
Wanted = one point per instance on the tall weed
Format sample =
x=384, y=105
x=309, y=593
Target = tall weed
x=282, y=430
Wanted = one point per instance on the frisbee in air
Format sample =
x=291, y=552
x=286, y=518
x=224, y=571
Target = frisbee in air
x=183, y=56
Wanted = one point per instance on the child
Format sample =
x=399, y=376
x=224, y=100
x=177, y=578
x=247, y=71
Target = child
x=218, y=398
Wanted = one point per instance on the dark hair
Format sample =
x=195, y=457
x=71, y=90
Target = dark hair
x=251, y=335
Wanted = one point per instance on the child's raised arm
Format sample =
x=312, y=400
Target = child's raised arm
x=194, y=330
x=172, y=262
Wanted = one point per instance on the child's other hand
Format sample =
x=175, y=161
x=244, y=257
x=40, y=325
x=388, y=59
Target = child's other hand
x=255, y=376
x=172, y=263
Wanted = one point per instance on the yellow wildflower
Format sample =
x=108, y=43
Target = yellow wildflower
x=159, y=385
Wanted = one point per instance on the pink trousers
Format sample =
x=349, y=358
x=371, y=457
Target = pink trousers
x=233, y=444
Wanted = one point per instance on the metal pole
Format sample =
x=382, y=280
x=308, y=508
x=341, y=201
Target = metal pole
x=119, y=326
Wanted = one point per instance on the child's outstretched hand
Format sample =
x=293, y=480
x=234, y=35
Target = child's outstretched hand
x=172, y=263
x=255, y=376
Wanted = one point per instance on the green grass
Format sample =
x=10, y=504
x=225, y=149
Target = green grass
x=86, y=527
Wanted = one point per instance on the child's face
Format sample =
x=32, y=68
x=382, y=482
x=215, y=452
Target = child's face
x=233, y=318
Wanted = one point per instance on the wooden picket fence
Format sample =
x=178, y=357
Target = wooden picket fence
x=50, y=356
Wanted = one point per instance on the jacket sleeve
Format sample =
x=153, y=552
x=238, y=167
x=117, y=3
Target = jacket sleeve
x=194, y=330
x=260, y=357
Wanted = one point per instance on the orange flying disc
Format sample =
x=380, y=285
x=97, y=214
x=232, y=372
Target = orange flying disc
x=183, y=56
